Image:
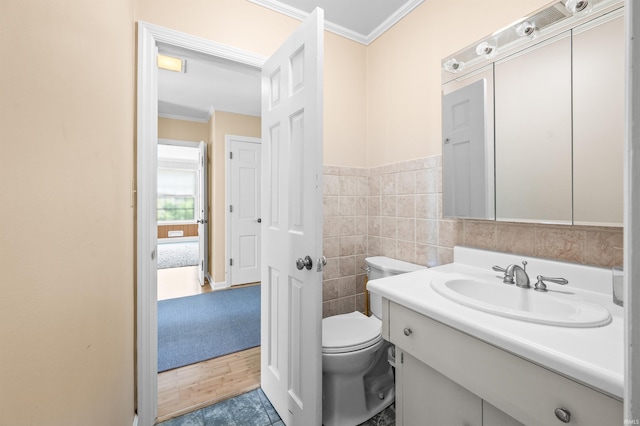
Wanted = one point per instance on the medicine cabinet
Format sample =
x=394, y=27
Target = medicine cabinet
x=532, y=120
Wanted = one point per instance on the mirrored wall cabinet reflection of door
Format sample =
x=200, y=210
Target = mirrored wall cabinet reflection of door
x=549, y=107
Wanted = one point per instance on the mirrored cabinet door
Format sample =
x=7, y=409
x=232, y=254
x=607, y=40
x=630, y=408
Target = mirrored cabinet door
x=533, y=134
x=598, y=121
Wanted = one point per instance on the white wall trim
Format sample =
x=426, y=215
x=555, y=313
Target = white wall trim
x=149, y=36
x=184, y=118
x=365, y=39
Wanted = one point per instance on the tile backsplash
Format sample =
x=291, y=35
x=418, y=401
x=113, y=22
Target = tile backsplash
x=395, y=210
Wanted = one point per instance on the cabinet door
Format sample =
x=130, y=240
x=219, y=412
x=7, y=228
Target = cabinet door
x=426, y=397
x=533, y=133
x=491, y=416
x=598, y=121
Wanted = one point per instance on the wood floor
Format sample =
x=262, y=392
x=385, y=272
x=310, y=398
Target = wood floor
x=192, y=387
x=179, y=282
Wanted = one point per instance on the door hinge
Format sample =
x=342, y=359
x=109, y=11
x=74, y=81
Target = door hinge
x=230, y=209
x=231, y=156
x=401, y=357
x=230, y=262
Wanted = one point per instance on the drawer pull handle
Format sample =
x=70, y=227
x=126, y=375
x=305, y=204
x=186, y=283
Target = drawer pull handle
x=563, y=415
x=407, y=331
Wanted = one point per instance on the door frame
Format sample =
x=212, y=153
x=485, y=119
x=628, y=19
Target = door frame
x=149, y=35
x=228, y=139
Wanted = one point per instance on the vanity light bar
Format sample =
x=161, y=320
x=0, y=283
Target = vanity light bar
x=521, y=31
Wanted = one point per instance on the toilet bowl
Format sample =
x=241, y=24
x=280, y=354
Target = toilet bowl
x=357, y=380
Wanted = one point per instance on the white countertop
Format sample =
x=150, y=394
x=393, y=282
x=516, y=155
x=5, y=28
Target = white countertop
x=593, y=356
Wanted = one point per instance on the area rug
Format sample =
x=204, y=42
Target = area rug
x=196, y=328
x=177, y=254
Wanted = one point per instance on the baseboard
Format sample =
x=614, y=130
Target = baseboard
x=177, y=240
x=220, y=285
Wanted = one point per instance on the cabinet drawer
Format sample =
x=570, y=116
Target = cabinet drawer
x=524, y=390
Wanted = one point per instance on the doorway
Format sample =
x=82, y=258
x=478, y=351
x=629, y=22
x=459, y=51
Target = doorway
x=152, y=39
x=182, y=219
x=306, y=126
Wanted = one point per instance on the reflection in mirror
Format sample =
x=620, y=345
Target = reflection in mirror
x=533, y=134
x=467, y=151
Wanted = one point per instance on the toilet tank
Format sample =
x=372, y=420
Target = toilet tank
x=380, y=267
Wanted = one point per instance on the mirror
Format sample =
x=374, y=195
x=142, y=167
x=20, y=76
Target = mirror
x=533, y=134
x=553, y=110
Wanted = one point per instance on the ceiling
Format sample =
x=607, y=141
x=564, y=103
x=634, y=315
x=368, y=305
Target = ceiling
x=211, y=84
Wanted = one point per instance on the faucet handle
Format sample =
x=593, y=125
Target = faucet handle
x=541, y=286
x=498, y=268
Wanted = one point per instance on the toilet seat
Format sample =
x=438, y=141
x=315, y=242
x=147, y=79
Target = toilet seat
x=350, y=332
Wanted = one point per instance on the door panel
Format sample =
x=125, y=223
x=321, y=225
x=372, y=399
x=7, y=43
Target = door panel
x=292, y=226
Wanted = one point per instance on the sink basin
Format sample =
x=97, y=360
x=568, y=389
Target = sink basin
x=522, y=304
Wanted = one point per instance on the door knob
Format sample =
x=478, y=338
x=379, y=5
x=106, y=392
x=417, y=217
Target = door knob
x=259, y=220
x=304, y=263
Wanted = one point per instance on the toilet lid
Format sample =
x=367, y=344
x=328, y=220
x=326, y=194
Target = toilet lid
x=350, y=332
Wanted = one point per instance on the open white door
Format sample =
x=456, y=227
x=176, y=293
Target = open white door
x=244, y=185
x=202, y=212
x=291, y=323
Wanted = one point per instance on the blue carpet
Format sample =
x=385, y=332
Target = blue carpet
x=196, y=328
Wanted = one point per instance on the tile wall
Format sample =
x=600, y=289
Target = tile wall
x=395, y=210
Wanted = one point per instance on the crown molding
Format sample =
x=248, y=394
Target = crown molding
x=365, y=39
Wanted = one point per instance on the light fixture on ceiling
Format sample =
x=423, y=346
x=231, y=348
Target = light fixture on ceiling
x=171, y=63
x=486, y=49
x=526, y=29
x=452, y=65
x=578, y=7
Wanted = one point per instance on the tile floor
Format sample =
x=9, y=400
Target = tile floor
x=254, y=409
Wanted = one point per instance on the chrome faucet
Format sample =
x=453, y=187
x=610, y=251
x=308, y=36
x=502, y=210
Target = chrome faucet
x=518, y=275
x=515, y=274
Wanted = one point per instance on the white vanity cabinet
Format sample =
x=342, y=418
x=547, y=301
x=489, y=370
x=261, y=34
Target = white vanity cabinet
x=446, y=377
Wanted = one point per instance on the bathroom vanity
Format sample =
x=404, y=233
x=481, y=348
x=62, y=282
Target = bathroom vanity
x=459, y=364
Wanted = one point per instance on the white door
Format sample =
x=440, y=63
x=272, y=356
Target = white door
x=244, y=165
x=202, y=211
x=463, y=152
x=291, y=303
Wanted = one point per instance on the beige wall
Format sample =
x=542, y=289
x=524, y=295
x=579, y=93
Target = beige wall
x=183, y=130
x=403, y=72
x=224, y=123
x=244, y=25
x=66, y=222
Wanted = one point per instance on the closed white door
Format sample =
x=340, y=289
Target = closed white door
x=291, y=363
x=202, y=212
x=244, y=165
x=463, y=152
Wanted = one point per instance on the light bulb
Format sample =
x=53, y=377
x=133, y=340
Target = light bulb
x=526, y=29
x=486, y=49
x=578, y=7
x=452, y=65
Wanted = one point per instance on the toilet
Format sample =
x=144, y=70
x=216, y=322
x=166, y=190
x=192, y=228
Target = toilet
x=357, y=379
